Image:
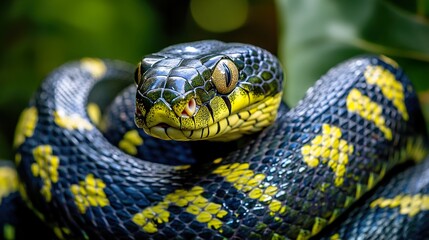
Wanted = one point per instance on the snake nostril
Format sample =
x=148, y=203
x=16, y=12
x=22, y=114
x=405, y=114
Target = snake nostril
x=190, y=108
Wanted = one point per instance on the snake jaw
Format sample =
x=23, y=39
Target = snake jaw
x=224, y=128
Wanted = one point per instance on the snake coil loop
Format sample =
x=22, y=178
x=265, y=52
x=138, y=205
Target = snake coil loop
x=295, y=179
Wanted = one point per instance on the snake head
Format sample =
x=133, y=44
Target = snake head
x=207, y=90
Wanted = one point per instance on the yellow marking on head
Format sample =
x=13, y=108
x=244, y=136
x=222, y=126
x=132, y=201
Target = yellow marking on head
x=26, y=124
x=220, y=109
x=94, y=113
x=204, y=211
x=95, y=66
x=89, y=193
x=369, y=110
x=8, y=182
x=328, y=147
x=46, y=167
x=239, y=99
x=391, y=88
x=251, y=119
x=130, y=142
x=71, y=122
x=408, y=204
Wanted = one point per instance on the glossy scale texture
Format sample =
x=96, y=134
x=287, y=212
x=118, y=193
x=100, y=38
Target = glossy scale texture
x=289, y=181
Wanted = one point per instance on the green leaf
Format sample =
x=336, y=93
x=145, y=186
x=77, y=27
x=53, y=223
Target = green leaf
x=318, y=34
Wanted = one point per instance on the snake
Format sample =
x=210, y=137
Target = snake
x=347, y=162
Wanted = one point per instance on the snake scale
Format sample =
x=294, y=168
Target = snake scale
x=328, y=168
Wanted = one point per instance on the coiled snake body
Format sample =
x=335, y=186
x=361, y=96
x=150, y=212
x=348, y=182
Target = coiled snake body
x=290, y=180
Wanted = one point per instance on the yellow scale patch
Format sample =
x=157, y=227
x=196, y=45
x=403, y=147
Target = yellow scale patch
x=408, y=204
x=71, y=122
x=89, y=193
x=8, y=232
x=26, y=124
x=319, y=224
x=95, y=66
x=94, y=113
x=390, y=87
x=45, y=167
x=336, y=236
x=369, y=110
x=61, y=232
x=329, y=148
x=205, y=211
x=8, y=182
x=130, y=142
x=249, y=182
x=182, y=167
x=74, y=121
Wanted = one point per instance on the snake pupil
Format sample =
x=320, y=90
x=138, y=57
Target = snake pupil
x=227, y=74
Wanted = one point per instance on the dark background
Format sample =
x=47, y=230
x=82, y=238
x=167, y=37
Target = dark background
x=309, y=36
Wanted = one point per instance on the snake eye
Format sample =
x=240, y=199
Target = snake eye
x=225, y=76
x=138, y=74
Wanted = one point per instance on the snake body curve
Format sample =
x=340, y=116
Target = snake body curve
x=289, y=181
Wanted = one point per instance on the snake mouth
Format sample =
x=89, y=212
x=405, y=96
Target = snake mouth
x=167, y=132
x=246, y=121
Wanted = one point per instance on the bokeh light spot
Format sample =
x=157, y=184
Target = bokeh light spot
x=219, y=15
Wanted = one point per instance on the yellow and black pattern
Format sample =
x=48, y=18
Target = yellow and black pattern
x=203, y=210
x=289, y=181
x=408, y=204
x=399, y=205
x=16, y=221
x=330, y=149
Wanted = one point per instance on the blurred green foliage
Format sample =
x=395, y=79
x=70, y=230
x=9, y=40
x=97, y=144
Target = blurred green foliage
x=38, y=36
x=322, y=33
